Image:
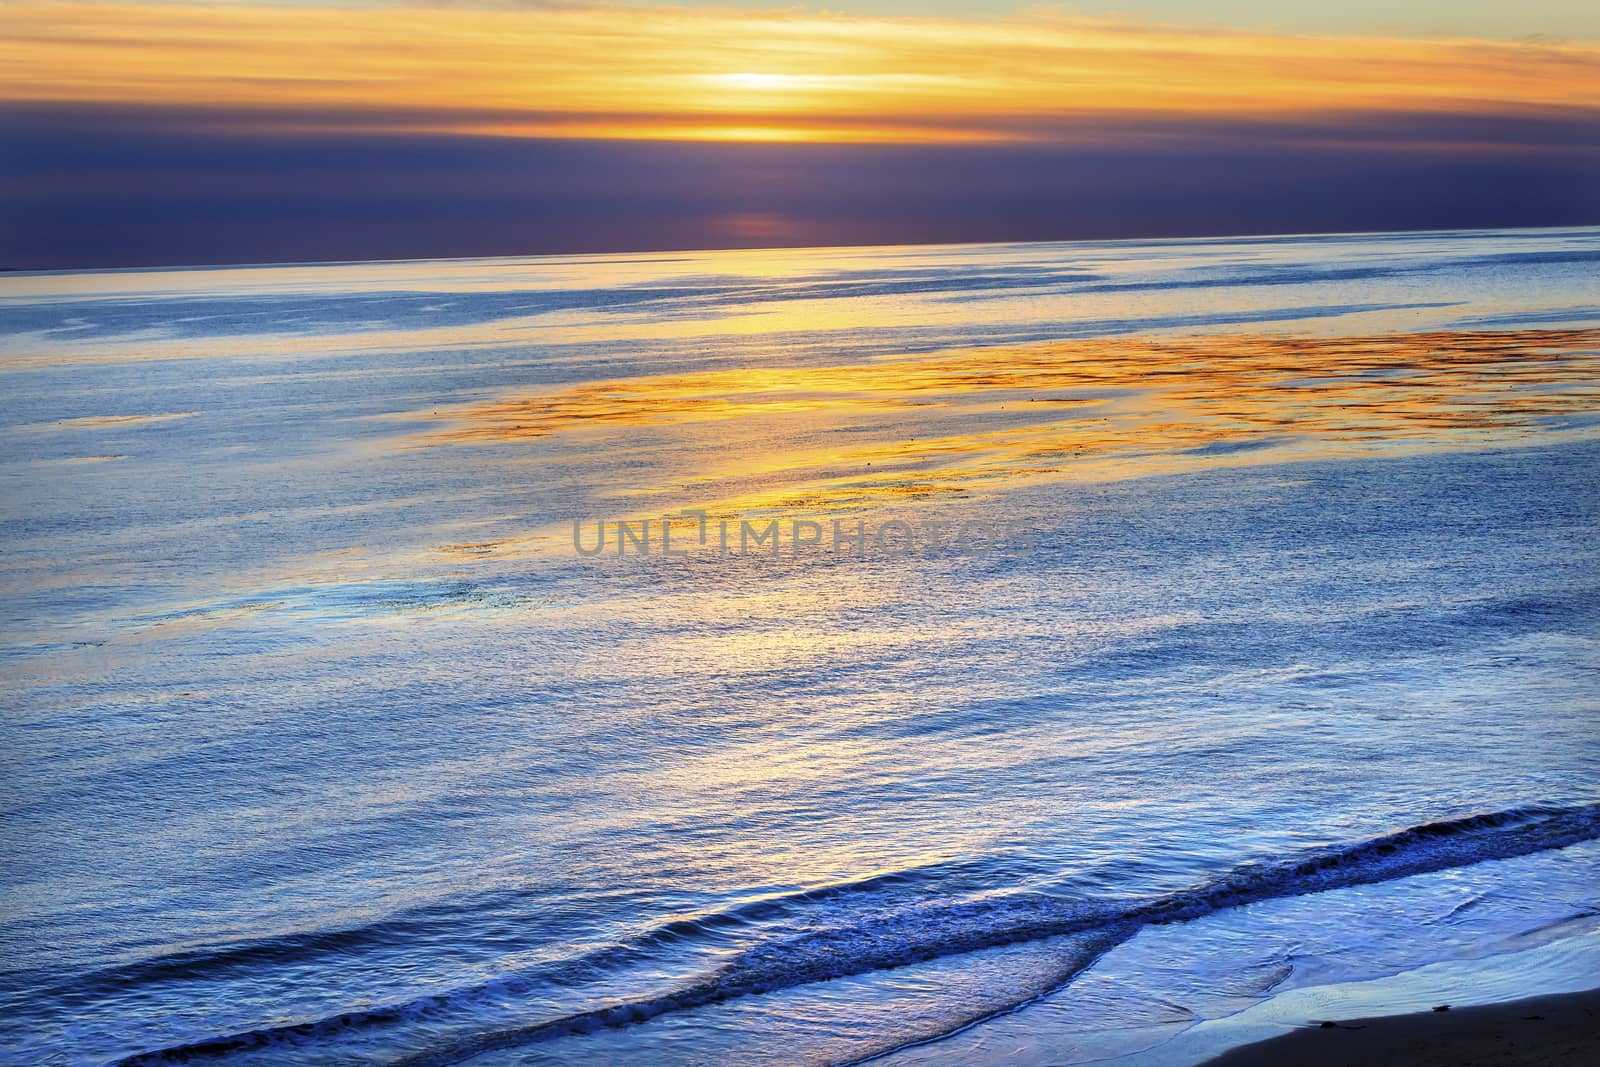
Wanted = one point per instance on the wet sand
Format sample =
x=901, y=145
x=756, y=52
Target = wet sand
x=1552, y=1031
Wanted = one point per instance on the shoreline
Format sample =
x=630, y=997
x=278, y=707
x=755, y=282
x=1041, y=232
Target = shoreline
x=1554, y=1030
x=1549, y=963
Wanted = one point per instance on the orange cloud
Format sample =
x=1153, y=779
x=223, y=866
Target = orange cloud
x=738, y=75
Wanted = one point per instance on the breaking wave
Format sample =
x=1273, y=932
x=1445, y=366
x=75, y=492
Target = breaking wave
x=843, y=942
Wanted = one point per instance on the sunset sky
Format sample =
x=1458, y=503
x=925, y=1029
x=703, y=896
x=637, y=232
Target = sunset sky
x=210, y=132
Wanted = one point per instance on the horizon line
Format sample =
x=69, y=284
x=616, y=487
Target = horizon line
x=6, y=271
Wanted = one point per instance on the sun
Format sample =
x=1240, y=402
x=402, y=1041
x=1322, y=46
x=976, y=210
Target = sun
x=757, y=82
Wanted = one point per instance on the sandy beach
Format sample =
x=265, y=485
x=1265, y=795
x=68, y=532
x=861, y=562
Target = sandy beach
x=1551, y=1031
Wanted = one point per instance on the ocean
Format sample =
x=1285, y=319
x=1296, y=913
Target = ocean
x=926, y=655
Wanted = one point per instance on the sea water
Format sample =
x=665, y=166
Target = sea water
x=1019, y=653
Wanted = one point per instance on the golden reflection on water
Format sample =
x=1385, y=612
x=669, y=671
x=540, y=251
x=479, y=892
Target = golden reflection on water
x=958, y=420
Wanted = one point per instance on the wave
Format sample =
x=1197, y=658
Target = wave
x=853, y=943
